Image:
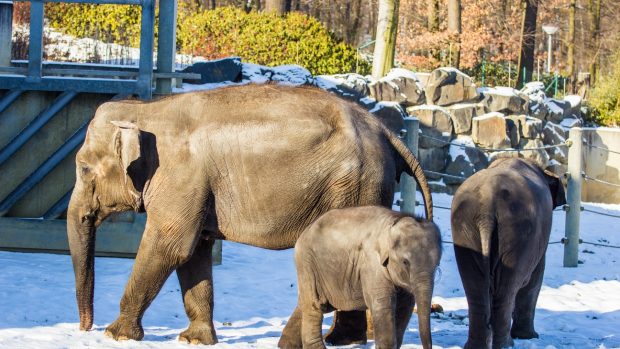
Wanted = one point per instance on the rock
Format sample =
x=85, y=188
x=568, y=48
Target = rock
x=513, y=129
x=575, y=105
x=553, y=134
x=422, y=78
x=558, y=110
x=293, y=75
x=447, y=86
x=504, y=99
x=571, y=122
x=461, y=115
x=539, y=110
x=490, y=131
x=528, y=126
x=464, y=160
x=434, y=122
x=220, y=70
x=350, y=86
x=400, y=85
x=391, y=115
x=533, y=88
x=432, y=159
x=560, y=154
x=539, y=156
x=557, y=168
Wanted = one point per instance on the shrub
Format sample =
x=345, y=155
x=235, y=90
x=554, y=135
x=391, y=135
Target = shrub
x=262, y=38
x=604, y=99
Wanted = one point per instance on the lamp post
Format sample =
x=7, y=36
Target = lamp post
x=550, y=30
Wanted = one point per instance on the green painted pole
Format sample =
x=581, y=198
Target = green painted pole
x=408, y=185
x=573, y=198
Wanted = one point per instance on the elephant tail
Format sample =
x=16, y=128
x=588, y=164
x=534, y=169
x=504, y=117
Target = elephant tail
x=487, y=227
x=414, y=169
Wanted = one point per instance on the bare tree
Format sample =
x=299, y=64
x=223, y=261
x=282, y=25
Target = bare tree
x=570, y=42
x=595, y=15
x=279, y=6
x=528, y=41
x=385, y=44
x=433, y=15
x=454, y=27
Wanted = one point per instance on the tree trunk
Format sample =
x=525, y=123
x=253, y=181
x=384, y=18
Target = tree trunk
x=454, y=27
x=595, y=17
x=279, y=6
x=433, y=15
x=528, y=42
x=570, y=44
x=385, y=45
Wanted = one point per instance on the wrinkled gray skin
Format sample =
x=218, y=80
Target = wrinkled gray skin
x=501, y=221
x=251, y=164
x=366, y=258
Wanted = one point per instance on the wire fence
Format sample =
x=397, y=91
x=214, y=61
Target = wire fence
x=567, y=143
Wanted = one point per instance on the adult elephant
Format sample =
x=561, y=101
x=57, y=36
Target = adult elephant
x=501, y=222
x=251, y=164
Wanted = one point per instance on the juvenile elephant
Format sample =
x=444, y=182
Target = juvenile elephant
x=366, y=258
x=501, y=222
x=251, y=164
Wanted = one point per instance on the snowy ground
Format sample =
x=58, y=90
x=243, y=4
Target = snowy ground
x=256, y=292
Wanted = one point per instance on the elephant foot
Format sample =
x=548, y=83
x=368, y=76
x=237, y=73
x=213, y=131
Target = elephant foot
x=348, y=328
x=523, y=333
x=503, y=342
x=472, y=344
x=199, y=333
x=124, y=329
x=291, y=337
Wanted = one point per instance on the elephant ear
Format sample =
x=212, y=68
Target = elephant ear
x=556, y=188
x=386, y=243
x=128, y=147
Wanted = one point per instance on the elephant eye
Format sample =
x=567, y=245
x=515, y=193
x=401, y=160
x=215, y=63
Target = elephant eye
x=406, y=262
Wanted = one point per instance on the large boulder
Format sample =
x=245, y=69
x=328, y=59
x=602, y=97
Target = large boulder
x=464, y=160
x=293, y=75
x=504, y=99
x=435, y=122
x=391, y=115
x=447, y=86
x=553, y=134
x=533, y=152
x=433, y=159
x=490, y=131
x=400, y=85
x=558, y=110
x=527, y=126
x=575, y=105
x=350, y=86
x=461, y=115
x=220, y=70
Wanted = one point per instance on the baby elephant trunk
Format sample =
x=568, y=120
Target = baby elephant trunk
x=423, y=293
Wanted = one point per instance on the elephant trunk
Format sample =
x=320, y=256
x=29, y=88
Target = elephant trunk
x=81, y=236
x=423, y=294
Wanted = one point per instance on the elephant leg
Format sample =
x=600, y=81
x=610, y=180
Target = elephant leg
x=311, y=328
x=477, y=290
x=348, y=327
x=161, y=251
x=291, y=335
x=384, y=321
x=196, y=280
x=501, y=315
x=404, y=309
x=525, y=305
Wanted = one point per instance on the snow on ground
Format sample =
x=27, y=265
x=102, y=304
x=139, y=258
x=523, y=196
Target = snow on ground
x=256, y=292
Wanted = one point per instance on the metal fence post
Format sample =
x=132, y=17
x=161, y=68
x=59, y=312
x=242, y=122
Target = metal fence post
x=573, y=198
x=166, y=44
x=407, y=183
x=6, y=31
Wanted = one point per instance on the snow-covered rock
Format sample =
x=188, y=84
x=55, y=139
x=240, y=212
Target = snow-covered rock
x=490, y=131
x=447, y=86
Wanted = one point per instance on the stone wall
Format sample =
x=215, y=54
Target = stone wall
x=462, y=126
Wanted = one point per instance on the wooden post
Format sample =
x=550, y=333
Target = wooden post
x=408, y=185
x=573, y=198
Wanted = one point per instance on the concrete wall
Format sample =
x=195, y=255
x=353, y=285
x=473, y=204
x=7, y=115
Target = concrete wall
x=601, y=164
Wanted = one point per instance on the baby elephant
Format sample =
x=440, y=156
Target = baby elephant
x=501, y=221
x=366, y=258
